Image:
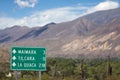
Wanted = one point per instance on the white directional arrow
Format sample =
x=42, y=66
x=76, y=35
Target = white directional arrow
x=44, y=51
x=14, y=51
x=14, y=58
x=14, y=64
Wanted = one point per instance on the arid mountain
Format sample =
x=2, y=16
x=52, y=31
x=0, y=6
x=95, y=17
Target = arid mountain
x=93, y=35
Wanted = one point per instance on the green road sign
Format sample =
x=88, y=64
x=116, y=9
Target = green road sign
x=28, y=58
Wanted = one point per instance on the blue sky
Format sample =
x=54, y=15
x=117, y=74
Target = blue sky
x=40, y=12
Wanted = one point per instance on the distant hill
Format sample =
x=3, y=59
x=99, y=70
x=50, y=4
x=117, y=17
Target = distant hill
x=93, y=35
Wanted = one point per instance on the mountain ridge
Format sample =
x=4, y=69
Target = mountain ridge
x=86, y=36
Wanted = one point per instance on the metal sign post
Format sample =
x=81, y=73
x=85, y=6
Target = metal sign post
x=39, y=78
x=28, y=58
x=16, y=75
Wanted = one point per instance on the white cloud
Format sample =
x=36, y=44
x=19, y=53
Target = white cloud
x=26, y=3
x=57, y=15
x=41, y=18
x=106, y=5
x=8, y=22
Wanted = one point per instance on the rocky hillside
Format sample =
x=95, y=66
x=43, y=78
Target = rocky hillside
x=93, y=35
